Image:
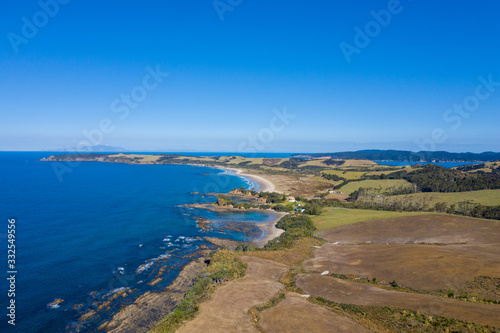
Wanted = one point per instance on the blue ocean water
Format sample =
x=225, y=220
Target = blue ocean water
x=443, y=164
x=103, y=228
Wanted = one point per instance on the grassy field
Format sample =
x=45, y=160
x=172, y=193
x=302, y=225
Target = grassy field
x=381, y=184
x=332, y=217
x=388, y=170
x=358, y=163
x=313, y=163
x=321, y=179
x=489, y=166
x=345, y=174
x=484, y=197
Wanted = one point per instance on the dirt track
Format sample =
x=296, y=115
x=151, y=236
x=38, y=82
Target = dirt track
x=296, y=314
x=227, y=310
x=342, y=291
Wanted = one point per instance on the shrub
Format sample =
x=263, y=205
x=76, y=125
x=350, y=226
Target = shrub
x=295, y=227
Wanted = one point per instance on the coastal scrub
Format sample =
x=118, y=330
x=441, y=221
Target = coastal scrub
x=224, y=265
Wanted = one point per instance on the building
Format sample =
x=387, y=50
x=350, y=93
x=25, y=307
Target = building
x=290, y=199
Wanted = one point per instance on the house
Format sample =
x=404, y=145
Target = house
x=290, y=199
x=298, y=205
x=317, y=198
x=262, y=200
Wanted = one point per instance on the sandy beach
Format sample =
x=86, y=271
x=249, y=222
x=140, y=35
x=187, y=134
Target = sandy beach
x=264, y=184
x=269, y=229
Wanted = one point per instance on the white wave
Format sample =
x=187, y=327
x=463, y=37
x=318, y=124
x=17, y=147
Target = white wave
x=149, y=263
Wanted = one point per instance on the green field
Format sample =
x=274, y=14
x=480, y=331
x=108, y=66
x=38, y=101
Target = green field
x=484, y=197
x=345, y=174
x=313, y=163
x=381, y=184
x=333, y=217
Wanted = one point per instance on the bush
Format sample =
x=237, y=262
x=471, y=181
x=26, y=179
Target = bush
x=295, y=227
x=282, y=208
x=312, y=209
x=224, y=265
x=245, y=247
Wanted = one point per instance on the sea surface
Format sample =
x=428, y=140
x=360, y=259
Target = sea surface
x=98, y=229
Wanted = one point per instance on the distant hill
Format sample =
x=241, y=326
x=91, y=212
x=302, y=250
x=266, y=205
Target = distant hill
x=408, y=156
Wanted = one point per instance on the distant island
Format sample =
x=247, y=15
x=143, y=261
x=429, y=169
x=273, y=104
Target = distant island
x=407, y=156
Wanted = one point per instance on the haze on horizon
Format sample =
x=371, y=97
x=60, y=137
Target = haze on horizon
x=238, y=76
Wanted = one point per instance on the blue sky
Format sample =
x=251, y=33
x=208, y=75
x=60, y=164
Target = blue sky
x=225, y=77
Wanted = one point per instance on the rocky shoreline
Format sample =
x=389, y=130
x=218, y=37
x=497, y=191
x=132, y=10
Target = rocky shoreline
x=152, y=307
x=268, y=229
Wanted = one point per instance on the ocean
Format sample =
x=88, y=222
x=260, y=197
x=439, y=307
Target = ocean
x=103, y=228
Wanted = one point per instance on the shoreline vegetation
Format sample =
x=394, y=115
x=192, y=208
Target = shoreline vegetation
x=328, y=212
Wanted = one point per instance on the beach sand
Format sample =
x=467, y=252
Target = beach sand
x=264, y=184
x=269, y=229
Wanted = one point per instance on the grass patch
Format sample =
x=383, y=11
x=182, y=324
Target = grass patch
x=301, y=250
x=379, y=184
x=295, y=227
x=349, y=175
x=383, y=319
x=332, y=217
x=483, y=197
x=275, y=300
x=224, y=265
x=254, y=310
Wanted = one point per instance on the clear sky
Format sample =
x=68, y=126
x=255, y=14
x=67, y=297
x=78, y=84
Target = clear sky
x=341, y=75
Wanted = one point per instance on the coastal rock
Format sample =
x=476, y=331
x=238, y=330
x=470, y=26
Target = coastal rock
x=87, y=316
x=204, y=224
x=236, y=191
x=151, y=307
x=223, y=242
x=77, y=306
x=56, y=303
